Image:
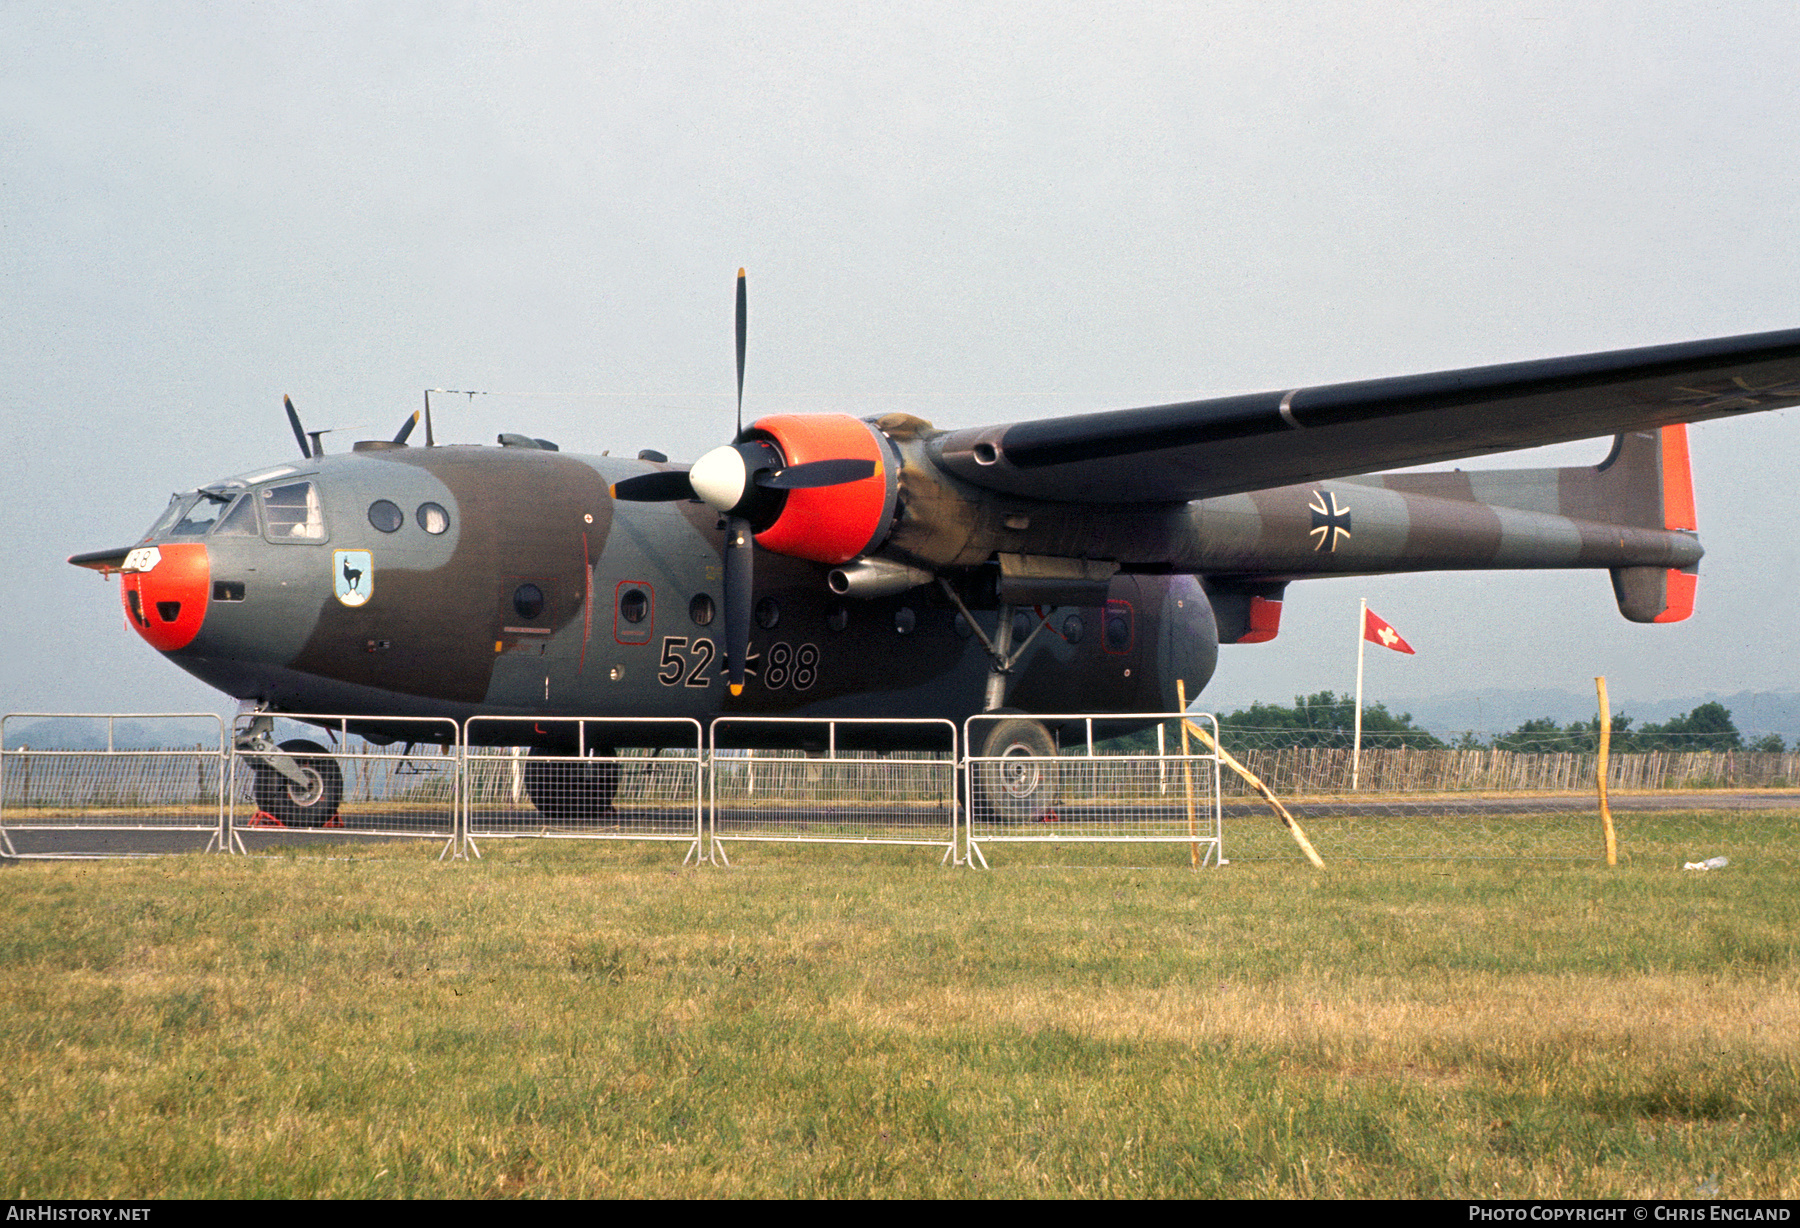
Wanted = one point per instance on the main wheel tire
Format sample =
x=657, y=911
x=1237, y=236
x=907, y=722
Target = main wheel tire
x=572, y=790
x=312, y=805
x=1021, y=780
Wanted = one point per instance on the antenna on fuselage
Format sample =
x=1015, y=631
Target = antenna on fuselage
x=430, y=440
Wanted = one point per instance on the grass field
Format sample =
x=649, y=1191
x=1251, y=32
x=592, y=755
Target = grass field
x=563, y=1020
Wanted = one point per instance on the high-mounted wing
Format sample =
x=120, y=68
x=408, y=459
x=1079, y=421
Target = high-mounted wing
x=1198, y=449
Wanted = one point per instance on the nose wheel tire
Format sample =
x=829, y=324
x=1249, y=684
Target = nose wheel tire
x=313, y=804
x=1019, y=779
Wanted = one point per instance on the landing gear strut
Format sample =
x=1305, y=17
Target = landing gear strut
x=1016, y=776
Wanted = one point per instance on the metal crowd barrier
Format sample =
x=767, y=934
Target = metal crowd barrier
x=1022, y=792
x=97, y=780
x=783, y=779
x=793, y=779
x=360, y=783
x=529, y=776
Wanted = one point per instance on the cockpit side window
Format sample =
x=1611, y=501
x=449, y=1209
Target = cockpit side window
x=240, y=521
x=292, y=513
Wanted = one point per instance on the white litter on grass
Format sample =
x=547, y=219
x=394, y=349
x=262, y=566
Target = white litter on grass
x=1711, y=863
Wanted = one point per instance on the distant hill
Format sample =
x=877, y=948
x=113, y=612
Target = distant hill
x=129, y=733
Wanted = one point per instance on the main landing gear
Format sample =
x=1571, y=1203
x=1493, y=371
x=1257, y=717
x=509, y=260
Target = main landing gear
x=572, y=790
x=1016, y=774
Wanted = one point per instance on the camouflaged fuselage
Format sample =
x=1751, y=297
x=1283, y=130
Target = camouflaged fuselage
x=539, y=594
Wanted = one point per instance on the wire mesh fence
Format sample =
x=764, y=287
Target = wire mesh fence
x=167, y=771
x=1301, y=770
x=770, y=779
x=575, y=788
x=350, y=776
x=1410, y=801
x=1022, y=790
x=829, y=792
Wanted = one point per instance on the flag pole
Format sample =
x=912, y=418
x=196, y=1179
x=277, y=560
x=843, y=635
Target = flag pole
x=1362, y=639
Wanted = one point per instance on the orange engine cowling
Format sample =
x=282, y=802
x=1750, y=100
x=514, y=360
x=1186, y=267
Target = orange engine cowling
x=831, y=524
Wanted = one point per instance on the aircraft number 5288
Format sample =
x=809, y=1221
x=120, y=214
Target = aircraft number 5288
x=685, y=662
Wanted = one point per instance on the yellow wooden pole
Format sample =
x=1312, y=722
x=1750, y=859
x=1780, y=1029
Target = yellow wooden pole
x=1606, y=823
x=1187, y=776
x=1268, y=795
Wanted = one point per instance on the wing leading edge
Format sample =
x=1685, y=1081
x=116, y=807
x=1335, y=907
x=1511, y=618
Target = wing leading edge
x=1227, y=445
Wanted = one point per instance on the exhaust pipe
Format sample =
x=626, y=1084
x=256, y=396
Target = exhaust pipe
x=865, y=578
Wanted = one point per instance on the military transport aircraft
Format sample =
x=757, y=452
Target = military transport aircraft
x=827, y=565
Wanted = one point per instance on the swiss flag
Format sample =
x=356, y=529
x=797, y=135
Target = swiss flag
x=1376, y=631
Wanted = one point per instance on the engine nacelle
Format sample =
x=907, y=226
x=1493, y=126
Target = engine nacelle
x=831, y=524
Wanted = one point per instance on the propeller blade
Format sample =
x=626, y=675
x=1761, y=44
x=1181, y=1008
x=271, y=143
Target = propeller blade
x=743, y=313
x=666, y=487
x=740, y=587
x=408, y=428
x=294, y=421
x=815, y=474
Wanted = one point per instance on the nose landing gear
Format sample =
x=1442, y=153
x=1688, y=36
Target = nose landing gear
x=306, y=797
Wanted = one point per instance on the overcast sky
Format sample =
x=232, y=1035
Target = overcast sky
x=975, y=217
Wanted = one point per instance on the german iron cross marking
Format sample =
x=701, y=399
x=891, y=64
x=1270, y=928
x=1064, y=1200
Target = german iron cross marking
x=1330, y=523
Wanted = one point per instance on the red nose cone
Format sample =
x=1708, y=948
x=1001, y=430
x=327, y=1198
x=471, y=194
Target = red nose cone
x=166, y=601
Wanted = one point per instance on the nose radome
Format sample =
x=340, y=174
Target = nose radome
x=165, y=590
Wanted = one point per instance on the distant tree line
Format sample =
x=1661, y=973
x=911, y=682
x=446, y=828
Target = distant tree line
x=1708, y=727
x=1326, y=720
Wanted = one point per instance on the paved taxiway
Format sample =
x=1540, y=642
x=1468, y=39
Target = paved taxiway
x=34, y=843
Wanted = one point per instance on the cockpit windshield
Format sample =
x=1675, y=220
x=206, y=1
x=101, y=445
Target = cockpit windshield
x=290, y=513
x=200, y=514
x=172, y=513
